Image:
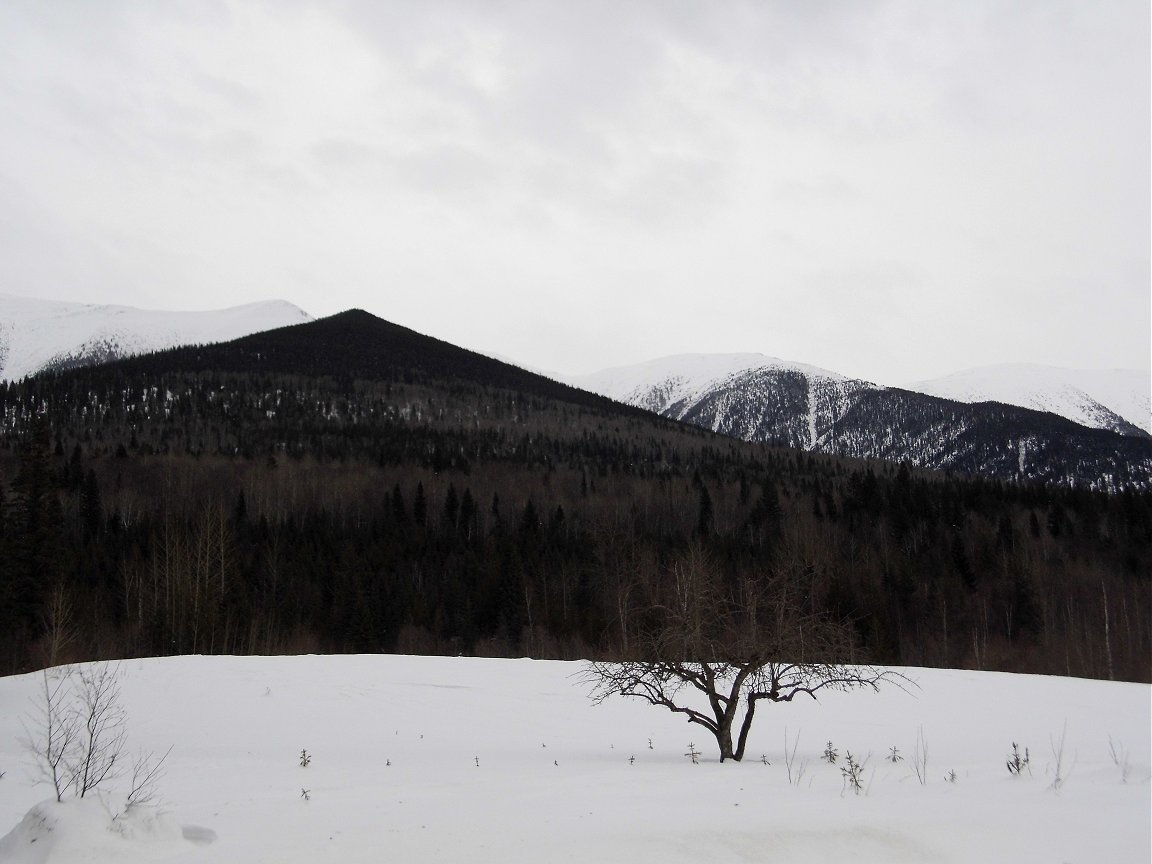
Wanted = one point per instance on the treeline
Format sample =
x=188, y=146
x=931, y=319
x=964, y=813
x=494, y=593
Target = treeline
x=108, y=556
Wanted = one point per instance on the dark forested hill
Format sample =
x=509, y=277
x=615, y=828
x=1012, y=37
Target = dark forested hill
x=350, y=485
x=357, y=345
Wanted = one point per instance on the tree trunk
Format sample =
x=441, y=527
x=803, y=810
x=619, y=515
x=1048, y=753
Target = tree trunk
x=724, y=740
x=745, y=728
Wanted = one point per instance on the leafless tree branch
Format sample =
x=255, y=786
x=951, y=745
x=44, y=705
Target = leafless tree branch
x=736, y=645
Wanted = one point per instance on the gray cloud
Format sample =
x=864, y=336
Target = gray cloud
x=892, y=189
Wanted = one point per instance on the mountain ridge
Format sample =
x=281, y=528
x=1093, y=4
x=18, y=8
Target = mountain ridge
x=745, y=396
x=1116, y=399
x=38, y=334
x=764, y=399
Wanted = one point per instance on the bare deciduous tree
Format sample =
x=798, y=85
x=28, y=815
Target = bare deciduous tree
x=146, y=772
x=103, y=726
x=77, y=730
x=52, y=731
x=59, y=630
x=712, y=649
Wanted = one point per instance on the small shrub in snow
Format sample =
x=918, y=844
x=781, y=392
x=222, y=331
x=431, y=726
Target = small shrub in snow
x=305, y=759
x=52, y=745
x=795, y=772
x=306, y=794
x=693, y=754
x=920, y=757
x=894, y=756
x=102, y=727
x=78, y=729
x=1118, y=752
x=853, y=774
x=764, y=759
x=1058, y=758
x=830, y=755
x=951, y=777
x=146, y=771
x=1017, y=763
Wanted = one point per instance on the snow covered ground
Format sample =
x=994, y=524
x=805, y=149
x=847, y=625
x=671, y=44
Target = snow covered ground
x=450, y=759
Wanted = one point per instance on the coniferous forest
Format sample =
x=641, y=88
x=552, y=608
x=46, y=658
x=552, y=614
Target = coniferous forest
x=348, y=485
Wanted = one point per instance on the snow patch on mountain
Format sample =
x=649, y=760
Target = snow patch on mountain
x=763, y=399
x=1116, y=399
x=40, y=334
x=658, y=384
x=750, y=396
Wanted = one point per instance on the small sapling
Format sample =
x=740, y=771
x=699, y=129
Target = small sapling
x=1017, y=763
x=853, y=772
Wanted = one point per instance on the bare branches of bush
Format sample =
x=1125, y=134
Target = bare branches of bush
x=1061, y=769
x=52, y=731
x=1120, y=758
x=77, y=731
x=102, y=721
x=920, y=757
x=146, y=772
x=795, y=772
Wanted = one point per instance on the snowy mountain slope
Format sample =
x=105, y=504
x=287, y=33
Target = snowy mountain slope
x=1116, y=399
x=44, y=334
x=764, y=399
x=505, y=761
x=667, y=380
x=750, y=396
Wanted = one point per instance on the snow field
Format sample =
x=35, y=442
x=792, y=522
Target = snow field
x=554, y=781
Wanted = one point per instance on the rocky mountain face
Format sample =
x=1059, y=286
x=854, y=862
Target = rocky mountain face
x=762, y=399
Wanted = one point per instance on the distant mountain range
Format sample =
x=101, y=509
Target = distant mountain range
x=1113, y=399
x=1116, y=399
x=1059, y=432
x=37, y=335
x=1019, y=422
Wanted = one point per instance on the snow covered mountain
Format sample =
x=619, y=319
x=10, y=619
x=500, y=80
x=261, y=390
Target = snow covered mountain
x=750, y=396
x=760, y=398
x=36, y=335
x=1116, y=399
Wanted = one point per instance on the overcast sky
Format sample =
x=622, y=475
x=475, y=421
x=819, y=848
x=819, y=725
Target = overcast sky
x=891, y=190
